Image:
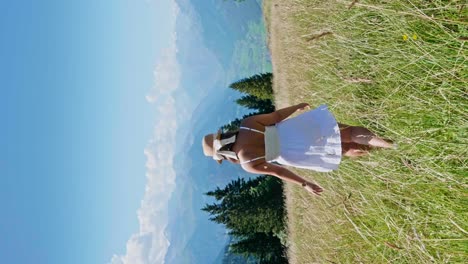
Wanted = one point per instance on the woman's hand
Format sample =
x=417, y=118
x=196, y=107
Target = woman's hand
x=303, y=106
x=313, y=188
x=282, y=173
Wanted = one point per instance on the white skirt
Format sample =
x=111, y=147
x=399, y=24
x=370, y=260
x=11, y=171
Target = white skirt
x=310, y=140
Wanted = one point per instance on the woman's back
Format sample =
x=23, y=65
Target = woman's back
x=250, y=144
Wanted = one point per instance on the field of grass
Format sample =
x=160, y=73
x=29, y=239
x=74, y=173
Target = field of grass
x=400, y=68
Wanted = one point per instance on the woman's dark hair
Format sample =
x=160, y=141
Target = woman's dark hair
x=225, y=135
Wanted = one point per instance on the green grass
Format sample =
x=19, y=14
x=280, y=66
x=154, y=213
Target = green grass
x=399, y=68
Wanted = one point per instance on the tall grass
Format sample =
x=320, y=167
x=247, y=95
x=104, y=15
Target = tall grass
x=400, y=68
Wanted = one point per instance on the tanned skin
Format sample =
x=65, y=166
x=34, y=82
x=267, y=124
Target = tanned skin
x=356, y=141
x=250, y=145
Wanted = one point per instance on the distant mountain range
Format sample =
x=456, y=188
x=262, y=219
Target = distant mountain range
x=208, y=36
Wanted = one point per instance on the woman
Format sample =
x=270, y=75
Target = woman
x=311, y=140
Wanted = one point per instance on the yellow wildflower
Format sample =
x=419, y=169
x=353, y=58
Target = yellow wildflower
x=415, y=37
x=405, y=37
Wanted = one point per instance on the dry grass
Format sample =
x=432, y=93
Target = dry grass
x=399, y=67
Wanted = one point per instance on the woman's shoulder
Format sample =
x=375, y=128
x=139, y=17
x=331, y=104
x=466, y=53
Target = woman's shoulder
x=252, y=122
x=262, y=120
x=248, y=121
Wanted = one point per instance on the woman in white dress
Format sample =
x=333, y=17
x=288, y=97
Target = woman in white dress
x=312, y=140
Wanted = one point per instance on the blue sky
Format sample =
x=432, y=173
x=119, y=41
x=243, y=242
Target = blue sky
x=75, y=124
x=103, y=106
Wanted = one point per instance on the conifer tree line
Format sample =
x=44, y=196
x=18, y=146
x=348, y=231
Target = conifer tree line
x=258, y=96
x=258, y=85
x=252, y=210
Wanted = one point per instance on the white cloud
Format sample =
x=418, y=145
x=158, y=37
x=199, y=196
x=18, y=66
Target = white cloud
x=139, y=250
x=150, y=244
x=166, y=74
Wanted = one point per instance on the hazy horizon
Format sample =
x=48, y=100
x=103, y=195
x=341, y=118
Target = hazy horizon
x=105, y=106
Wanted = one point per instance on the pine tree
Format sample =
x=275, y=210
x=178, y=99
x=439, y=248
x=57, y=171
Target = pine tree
x=254, y=103
x=259, y=85
x=266, y=247
x=249, y=206
x=253, y=211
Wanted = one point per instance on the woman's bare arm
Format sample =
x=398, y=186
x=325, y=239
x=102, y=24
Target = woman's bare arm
x=284, y=174
x=277, y=116
x=286, y=112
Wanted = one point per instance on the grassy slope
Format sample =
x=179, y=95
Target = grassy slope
x=399, y=67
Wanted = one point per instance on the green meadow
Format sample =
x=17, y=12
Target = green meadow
x=400, y=68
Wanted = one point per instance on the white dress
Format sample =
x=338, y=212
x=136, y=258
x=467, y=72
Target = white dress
x=310, y=140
